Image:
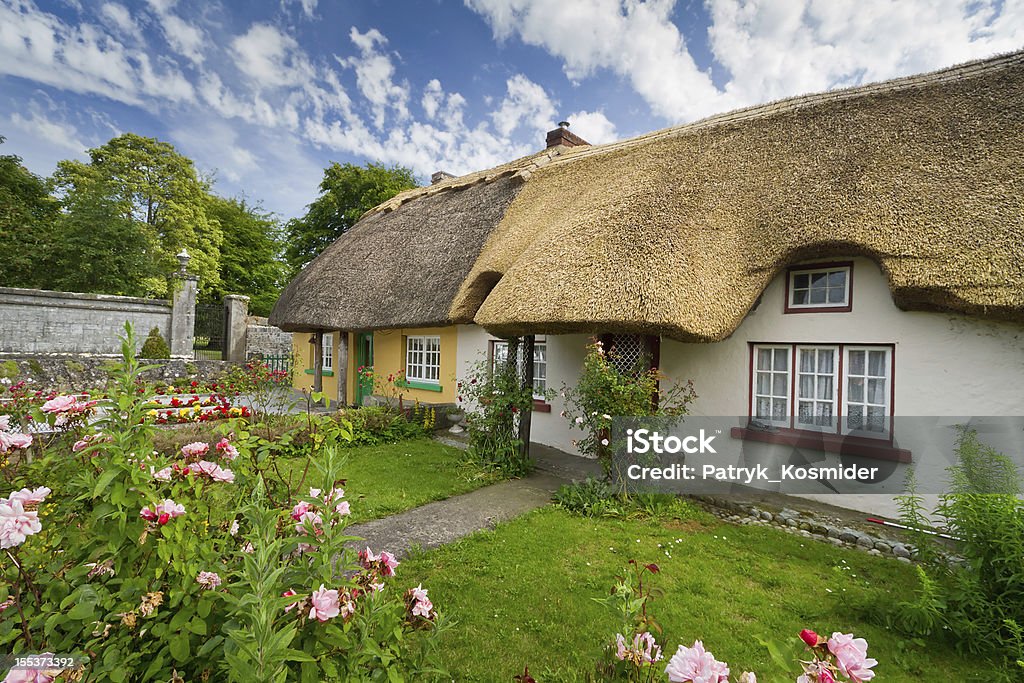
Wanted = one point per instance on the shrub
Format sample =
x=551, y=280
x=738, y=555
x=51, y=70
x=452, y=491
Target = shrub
x=155, y=346
x=979, y=601
x=495, y=400
x=598, y=498
x=604, y=392
x=154, y=566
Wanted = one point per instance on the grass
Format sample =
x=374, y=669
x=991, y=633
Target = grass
x=522, y=595
x=391, y=478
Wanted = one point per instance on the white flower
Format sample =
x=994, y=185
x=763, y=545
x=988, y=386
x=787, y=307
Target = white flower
x=607, y=417
x=579, y=420
x=604, y=442
x=234, y=527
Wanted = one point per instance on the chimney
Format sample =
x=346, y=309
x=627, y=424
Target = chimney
x=439, y=176
x=561, y=137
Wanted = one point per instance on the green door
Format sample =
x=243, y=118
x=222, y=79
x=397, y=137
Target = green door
x=364, y=359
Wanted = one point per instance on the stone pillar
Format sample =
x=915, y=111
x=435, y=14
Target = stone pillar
x=341, y=368
x=236, y=310
x=183, y=315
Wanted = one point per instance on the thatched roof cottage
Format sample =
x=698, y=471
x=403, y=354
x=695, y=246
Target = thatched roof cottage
x=879, y=225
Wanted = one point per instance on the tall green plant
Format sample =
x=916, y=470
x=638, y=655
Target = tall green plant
x=495, y=400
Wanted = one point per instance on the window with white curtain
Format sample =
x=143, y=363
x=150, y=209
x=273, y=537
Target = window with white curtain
x=328, y=352
x=499, y=354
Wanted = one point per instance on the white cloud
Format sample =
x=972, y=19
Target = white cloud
x=375, y=77
x=308, y=6
x=60, y=134
x=118, y=17
x=525, y=103
x=445, y=108
x=772, y=49
x=593, y=126
x=271, y=58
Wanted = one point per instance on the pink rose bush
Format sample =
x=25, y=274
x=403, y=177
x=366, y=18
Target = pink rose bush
x=19, y=518
x=162, y=513
x=195, y=450
x=696, y=665
x=67, y=409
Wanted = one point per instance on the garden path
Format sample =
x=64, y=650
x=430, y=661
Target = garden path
x=444, y=521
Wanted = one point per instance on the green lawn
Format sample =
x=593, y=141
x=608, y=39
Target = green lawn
x=522, y=595
x=387, y=479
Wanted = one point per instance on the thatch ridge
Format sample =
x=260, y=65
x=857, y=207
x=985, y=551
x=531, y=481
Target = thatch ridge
x=679, y=231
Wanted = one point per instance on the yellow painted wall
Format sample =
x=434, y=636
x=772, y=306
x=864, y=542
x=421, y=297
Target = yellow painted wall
x=303, y=351
x=389, y=358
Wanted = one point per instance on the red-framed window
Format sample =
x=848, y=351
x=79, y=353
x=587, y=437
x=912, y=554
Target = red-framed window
x=820, y=288
x=843, y=389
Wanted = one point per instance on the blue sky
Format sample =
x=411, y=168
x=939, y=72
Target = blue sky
x=263, y=95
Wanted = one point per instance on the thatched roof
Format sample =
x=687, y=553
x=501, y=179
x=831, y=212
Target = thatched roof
x=678, y=232
x=403, y=262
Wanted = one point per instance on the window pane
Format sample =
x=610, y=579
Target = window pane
x=764, y=359
x=817, y=296
x=855, y=417
x=763, y=383
x=825, y=410
x=801, y=281
x=806, y=360
x=779, y=409
x=806, y=389
x=763, y=407
x=819, y=280
x=876, y=364
x=781, y=359
x=855, y=392
x=837, y=296
x=805, y=412
x=825, y=388
x=540, y=353
x=799, y=297
x=779, y=385
x=826, y=359
x=876, y=391
x=837, y=278
x=856, y=363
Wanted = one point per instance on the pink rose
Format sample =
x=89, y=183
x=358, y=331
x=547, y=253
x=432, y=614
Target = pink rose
x=17, y=524
x=164, y=474
x=287, y=594
x=300, y=509
x=851, y=656
x=324, y=604
x=30, y=497
x=60, y=404
x=422, y=608
x=196, y=449
x=696, y=665
x=389, y=563
x=9, y=441
x=226, y=449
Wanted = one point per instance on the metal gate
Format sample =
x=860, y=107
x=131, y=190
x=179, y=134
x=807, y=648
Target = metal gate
x=209, y=332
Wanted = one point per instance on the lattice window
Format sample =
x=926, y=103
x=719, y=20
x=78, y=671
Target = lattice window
x=629, y=354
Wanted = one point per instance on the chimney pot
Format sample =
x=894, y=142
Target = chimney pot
x=562, y=137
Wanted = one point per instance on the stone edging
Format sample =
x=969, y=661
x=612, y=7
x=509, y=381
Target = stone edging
x=805, y=524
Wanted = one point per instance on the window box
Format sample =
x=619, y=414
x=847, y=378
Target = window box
x=831, y=443
x=820, y=288
x=323, y=373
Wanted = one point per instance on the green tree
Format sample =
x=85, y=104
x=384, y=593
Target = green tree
x=150, y=184
x=250, y=256
x=27, y=212
x=346, y=193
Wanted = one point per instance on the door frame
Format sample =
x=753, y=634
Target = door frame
x=364, y=358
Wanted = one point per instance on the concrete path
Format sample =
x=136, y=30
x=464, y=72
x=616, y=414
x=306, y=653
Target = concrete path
x=444, y=521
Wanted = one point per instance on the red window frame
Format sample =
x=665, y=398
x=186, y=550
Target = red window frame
x=837, y=441
x=820, y=266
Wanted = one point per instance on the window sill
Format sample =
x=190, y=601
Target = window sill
x=540, y=406
x=423, y=386
x=830, y=443
x=845, y=308
x=323, y=373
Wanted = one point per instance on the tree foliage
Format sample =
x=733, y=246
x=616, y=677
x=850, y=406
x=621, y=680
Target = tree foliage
x=148, y=183
x=250, y=256
x=27, y=212
x=346, y=193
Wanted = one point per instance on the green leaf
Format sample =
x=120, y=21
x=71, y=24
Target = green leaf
x=179, y=647
x=104, y=481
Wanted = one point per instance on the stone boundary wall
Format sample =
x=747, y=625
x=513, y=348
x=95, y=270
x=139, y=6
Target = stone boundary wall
x=68, y=372
x=266, y=340
x=36, y=321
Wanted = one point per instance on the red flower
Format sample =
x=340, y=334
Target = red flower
x=810, y=637
x=163, y=519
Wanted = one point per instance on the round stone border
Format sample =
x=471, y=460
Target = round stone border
x=807, y=525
